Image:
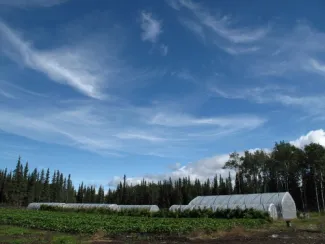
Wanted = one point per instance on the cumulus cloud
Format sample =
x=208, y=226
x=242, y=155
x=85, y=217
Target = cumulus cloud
x=209, y=167
x=201, y=169
x=314, y=136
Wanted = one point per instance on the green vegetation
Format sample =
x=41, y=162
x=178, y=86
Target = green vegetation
x=20, y=235
x=72, y=222
x=285, y=168
x=197, y=213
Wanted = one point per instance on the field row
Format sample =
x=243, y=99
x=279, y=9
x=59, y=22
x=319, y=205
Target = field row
x=91, y=223
x=165, y=213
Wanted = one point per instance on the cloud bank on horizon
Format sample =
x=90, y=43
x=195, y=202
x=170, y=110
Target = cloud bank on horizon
x=170, y=81
x=209, y=167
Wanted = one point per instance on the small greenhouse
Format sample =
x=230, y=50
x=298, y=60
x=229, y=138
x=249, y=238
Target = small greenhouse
x=175, y=208
x=37, y=205
x=283, y=202
x=269, y=208
x=113, y=207
x=150, y=208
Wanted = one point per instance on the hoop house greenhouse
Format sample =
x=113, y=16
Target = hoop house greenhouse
x=269, y=208
x=150, y=208
x=283, y=202
x=112, y=207
x=37, y=205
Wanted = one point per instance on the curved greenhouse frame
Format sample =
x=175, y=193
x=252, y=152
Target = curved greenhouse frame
x=37, y=205
x=269, y=208
x=150, y=208
x=283, y=202
x=113, y=207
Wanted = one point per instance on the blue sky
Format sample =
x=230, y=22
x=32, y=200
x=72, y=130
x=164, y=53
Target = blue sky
x=155, y=89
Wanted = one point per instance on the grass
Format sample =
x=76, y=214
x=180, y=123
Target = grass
x=20, y=235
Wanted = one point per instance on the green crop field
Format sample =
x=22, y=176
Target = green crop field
x=71, y=222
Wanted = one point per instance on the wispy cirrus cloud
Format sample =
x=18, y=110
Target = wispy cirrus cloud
x=316, y=66
x=78, y=66
x=152, y=28
x=31, y=3
x=220, y=28
x=193, y=26
x=110, y=128
x=241, y=50
x=13, y=91
x=181, y=120
x=290, y=53
x=313, y=105
x=163, y=49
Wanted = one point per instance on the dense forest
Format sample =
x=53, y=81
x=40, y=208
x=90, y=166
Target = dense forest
x=285, y=168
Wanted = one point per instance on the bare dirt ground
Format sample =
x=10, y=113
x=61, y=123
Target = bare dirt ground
x=269, y=237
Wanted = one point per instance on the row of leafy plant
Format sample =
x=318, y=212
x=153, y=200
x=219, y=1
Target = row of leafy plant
x=165, y=213
x=73, y=222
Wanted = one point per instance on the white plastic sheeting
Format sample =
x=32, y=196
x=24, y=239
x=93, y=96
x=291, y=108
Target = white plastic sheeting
x=283, y=202
x=37, y=205
x=175, y=208
x=269, y=208
x=113, y=207
x=150, y=208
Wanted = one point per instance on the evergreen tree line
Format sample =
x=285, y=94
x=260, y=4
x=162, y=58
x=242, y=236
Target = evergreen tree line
x=285, y=168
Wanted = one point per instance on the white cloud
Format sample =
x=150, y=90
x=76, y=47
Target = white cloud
x=209, y=167
x=31, y=3
x=185, y=74
x=290, y=53
x=13, y=91
x=164, y=49
x=109, y=128
x=140, y=136
x=316, y=66
x=193, y=26
x=78, y=66
x=220, y=25
x=312, y=105
x=6, y=94
x=180, y=120
x=239, y=50
x=150, y=26
x=314, y=136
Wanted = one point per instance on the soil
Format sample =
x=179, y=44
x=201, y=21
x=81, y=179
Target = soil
x=301, y=237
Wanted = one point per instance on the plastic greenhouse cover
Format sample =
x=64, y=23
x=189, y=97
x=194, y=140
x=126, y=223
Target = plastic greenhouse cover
x=283, y=201
x=146, y=207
